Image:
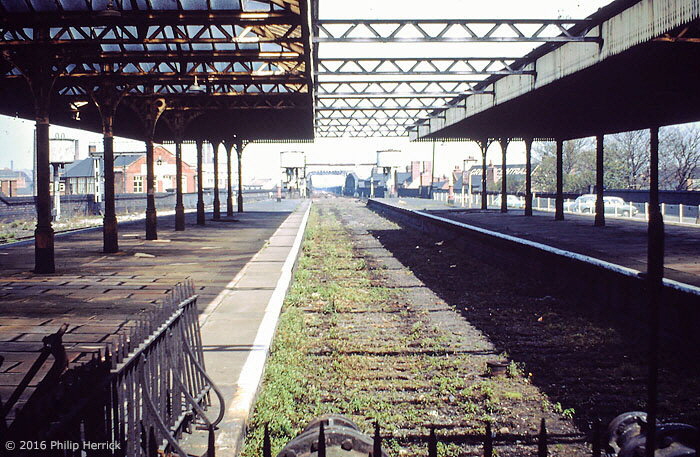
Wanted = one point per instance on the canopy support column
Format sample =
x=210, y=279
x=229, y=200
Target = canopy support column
x=217, y=202
x=654, y=277
x=239, y=152
x=528, y=176
x=36, y=69
x=599, y=175
x=559, y=202
x=484, y=145
x=107, y=99
x=200, y=185
x=178, y=121
x=229, y=179
x=179, y=206
x=150, y=111
x=504, y=175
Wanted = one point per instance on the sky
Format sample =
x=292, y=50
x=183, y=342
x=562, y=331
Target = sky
x=262, y=160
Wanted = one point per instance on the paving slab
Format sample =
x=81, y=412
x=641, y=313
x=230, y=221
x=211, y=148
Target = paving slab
x=98, y=294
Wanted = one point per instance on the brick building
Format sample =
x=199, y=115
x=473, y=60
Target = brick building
x=130, y=172
x=14, y=182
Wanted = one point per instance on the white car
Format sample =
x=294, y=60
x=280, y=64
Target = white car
x=613, y=205
x=513, y=201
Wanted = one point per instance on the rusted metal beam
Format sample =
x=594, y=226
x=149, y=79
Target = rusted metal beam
x=153, y=21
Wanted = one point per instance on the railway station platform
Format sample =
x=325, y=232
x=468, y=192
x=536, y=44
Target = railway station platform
x=240, y=267
x=622, y=241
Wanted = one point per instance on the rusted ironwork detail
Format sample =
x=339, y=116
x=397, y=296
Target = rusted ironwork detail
x=627, y=437
x=338, y=433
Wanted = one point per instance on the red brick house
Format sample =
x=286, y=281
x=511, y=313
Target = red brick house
x=130, y=172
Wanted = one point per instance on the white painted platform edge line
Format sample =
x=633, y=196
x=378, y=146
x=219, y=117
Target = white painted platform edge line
x=254, y=366
x=214, y=304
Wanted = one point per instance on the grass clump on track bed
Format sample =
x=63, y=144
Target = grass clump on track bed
x=348, y=343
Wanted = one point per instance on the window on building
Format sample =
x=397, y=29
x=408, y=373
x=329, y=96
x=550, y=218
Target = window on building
x=138, y=184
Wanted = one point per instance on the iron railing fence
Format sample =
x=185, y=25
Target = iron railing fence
x=134, y=400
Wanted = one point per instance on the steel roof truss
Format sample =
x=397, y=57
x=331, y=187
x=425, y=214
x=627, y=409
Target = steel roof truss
x=437, y=30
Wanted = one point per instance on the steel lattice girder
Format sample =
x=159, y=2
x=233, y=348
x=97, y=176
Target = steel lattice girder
x=349, y=88
x=439, y=30
x=407, y=66
x=423, y=93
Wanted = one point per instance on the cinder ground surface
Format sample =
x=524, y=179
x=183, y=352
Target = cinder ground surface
x=621, y=241
x=97, y=294
x=390, y=324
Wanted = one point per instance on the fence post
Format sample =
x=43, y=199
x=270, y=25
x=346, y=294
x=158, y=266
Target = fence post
x=432, y=443
x=548, y=203
x=646, y=211
x=377, y=441
x=267, y=448
x=663, y=210
x=680, y=213
x=542, y=440
x=488, y=441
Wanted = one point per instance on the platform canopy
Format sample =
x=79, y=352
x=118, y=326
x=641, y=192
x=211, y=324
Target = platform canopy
x=235, y=67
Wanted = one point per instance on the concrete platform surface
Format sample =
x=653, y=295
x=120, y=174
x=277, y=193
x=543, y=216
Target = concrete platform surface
x=621, y=241
x=97, y=294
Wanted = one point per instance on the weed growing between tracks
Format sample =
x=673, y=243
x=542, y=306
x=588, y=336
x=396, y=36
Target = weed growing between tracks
x=350, y=342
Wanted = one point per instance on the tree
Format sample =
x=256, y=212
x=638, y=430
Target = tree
x=679, y=155
x=514, y=184
x=578, y=166
x=627, y=160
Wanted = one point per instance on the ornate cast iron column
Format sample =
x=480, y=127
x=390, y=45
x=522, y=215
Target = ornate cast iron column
x=150, y=111
x=178, y=122
x=107, y=98
x=217, y=202
x=37, y=70
x=240, y=144
x=229, y=179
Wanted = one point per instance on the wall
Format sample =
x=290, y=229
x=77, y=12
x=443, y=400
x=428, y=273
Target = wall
x=22, y=208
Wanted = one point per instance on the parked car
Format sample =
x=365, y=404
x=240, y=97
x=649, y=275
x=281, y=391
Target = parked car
x=583, y=204
x=613, y=205
x=619, y=207
x=513, y=201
